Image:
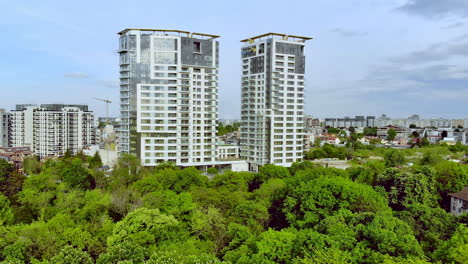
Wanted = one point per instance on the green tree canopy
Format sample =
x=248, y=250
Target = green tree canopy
x=313, y=200
x=391, y=134
x=394, y=158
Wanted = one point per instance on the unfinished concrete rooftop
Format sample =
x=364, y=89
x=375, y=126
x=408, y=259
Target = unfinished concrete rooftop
x=172, y=32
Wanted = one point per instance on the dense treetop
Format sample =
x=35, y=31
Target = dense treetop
x=377, y=211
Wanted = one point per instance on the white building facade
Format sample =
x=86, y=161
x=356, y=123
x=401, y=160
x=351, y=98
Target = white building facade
x=459, y=202
x=272, y=110
x=169, y=96
x=52, y=129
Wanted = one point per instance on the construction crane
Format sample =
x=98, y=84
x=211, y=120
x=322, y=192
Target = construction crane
x=107, y=107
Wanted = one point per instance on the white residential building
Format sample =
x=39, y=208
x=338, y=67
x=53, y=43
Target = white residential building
x=272, y=110
x=459, y=202
x=51, y=129
x=4, y=129
x=169, y=96
x=228, y=152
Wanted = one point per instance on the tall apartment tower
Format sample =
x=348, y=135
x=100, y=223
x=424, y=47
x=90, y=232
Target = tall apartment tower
x=52, y=129
x=169, y=96
x=273, y=67
x=4, y=128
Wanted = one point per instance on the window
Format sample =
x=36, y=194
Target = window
x=261, y=49
x=197, y=46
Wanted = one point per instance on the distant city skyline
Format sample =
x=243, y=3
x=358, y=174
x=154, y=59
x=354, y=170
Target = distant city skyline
x=397, y=57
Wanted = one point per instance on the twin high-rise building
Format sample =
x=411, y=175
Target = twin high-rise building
x=169, y=97
x=273, y=67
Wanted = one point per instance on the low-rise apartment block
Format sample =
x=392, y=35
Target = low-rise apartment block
x=52, y=129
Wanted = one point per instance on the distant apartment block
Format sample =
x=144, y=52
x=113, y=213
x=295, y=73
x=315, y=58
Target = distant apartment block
x=51, y=129
x=169, y=96
x=384, y=120
x=311, y=122
x=272, y=107
x=346, y=122
x=4, y=128
x=413, y=120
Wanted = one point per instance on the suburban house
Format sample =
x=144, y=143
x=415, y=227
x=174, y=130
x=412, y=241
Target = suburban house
x=459, y=202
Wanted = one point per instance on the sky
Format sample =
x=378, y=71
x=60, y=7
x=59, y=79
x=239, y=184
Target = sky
x=368, y=57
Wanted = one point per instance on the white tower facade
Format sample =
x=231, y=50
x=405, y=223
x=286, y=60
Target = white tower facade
x=169, y=96
x=272, y=128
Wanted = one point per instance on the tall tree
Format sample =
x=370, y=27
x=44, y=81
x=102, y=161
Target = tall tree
x=95, y=161
x=394, y=158
x=391, y=134
x=6, y=214
x=76, y=175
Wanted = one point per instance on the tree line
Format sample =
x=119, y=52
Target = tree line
x=70, y=211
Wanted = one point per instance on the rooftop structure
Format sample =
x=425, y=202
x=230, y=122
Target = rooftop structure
x=272, y=35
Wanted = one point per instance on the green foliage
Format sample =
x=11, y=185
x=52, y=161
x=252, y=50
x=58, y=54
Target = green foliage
x=370, y=131
x=233, y=181
x=312, y=200
x=68, y=154
x=31, y=165
x=389, y=235
x=144, y=227
x=275, y=247
x=71, y=255
x=332, y=130
x=451, y=177
x=12, y=185
x=430, y=158
x=124, y=251
x=173, y=256
x=425, y=142
x=328, y=151
x=210, y=224
x=126, y=172
x=65, y=211
x=305, y=164
x=431, y=225
x=455, y=250
x=212, y=170
x=458, y=147
x=171, y=203
x=224, y=129
x=406, y=188
x=76, y=175
x=394, y=158
x=367, y=173
x=6, y=214
x=95, y=161
x=80, y=155
x=272, y=171
x=391, y=134
x=5, y=169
